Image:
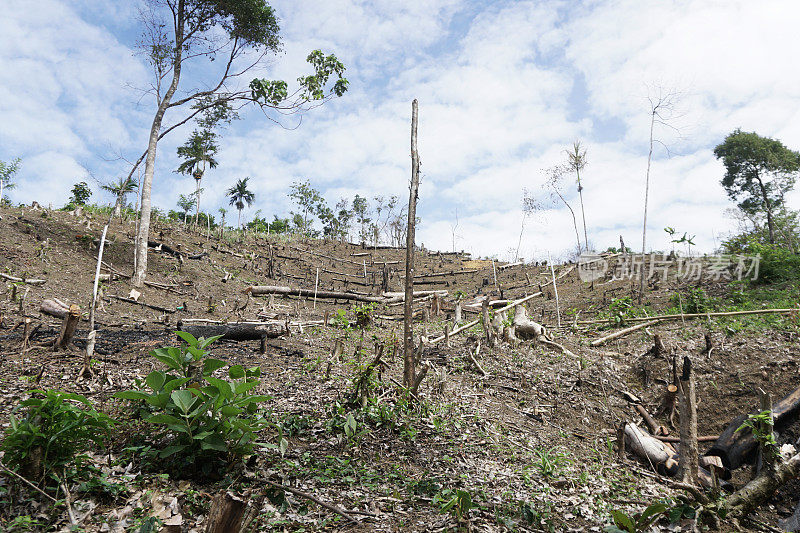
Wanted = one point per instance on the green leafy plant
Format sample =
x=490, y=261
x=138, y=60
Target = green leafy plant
x=760, y=424
x=201, y=416
x=625, y=523
x=53, y=432
x=621, y=309
x=456, y=501
x=551, y=461
x=693, y=300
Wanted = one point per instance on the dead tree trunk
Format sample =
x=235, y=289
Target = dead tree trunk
x=688, y=463
x=409, y=370
x=745, y=500
x=231, y=514
x=68, y=328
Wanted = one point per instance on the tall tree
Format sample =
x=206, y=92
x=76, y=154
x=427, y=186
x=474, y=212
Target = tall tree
x=7, y=171
x=239, y=195
x=759, y=171
x=554, y=183
x=198, y=152
x=181, y=33
x=576, y=161
x=309, y=200
x=186, y=203
x=662, y=111
x=120, y=189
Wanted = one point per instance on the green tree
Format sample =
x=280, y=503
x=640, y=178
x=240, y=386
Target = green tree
x=310, y=201
x=178, y=36
x=120, y=189
x=759, y=171
x=240, y=195
x=576, y=161
x=361, y=214
x=80, y=193
x=198, y=152
x=186, y=203
x=7, y=172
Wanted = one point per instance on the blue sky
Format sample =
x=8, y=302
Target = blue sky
x=504, y=88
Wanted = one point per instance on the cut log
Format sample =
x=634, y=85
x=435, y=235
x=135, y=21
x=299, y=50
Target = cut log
x=54, y=308
x=525, y=328
x=64, y=338
x=659, y=454
x=735, y=448
x=231, y=514
x=237, y=331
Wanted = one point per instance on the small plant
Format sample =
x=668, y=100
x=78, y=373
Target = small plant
x=364, y=315
x=340, y=319
x=55, y=430
x=621, y=309
x=456, y=501
x=202, y=417
x=625, y=523
x=693, y=301
x=760, y=425
x=551, y=461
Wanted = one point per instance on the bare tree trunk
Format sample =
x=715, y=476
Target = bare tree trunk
x=574, y=220
x=408, y=336
x=646, y=194
x=143, y=233
x=688, y=463
x=197, y=203
x=768, y=205
x=583, y=213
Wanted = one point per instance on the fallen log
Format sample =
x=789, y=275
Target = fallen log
x=54, y=308
x=237, y=331
x=258, y=290
x=748, y=498
x=660, y=455
x=622, y=332
x=26, y=281
x=737, y=447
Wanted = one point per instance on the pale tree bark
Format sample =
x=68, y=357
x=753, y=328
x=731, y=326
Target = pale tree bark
x=143, y=232
x=409, y=369
x=646, y=197
x=583, y=213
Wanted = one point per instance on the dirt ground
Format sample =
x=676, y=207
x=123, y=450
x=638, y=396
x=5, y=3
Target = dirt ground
x=531, y=441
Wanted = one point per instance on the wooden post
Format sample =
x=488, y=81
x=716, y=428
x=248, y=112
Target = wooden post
x=68, y=328
x=555, y=289
x=26, y=332
x=409, y=369
x=97, y=278
x=765, y=456
x=457, y=318
x=447, y=335
x=688, y=464
x=316, y=286
x=485, y=319
x=621, y=440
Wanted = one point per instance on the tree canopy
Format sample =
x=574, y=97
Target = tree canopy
x=759, y=171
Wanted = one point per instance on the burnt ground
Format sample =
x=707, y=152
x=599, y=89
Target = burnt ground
x=531, y=442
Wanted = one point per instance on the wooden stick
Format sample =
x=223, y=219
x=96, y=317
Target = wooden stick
x=97, y=277
x=675, y=440
x=555, y=288
x=622, y=332
x=23, y=280
x=698, y=315
x=40, y=491
x=338, y=510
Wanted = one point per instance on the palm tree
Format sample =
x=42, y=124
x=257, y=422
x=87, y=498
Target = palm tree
x=120, y=189
x=198, y=152
x=240, y=195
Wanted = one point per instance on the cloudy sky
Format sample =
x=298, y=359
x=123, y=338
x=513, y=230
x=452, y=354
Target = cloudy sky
x=504, y=88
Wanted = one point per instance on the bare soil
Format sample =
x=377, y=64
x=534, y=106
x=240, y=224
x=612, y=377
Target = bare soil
x=531, y=441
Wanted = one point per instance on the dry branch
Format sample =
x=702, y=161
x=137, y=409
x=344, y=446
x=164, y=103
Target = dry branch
x=621, y=333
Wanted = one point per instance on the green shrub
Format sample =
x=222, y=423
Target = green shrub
x=52, y=434
x=693, y=300
x=203, y=419
x=777, y=263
